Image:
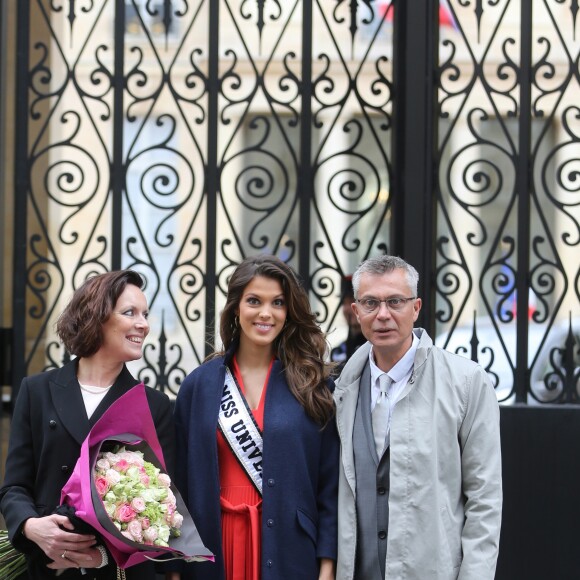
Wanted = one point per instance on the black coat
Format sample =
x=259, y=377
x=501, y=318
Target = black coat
x=49, y=425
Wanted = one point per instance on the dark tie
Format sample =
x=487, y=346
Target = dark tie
x=380, y=415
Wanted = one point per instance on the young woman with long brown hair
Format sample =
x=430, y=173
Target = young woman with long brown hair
x=257, y=442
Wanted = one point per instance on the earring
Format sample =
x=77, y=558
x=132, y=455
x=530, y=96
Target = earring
x=236, y=321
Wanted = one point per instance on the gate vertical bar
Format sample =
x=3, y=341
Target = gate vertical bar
x=212, y=182
x=21, y=189
x=523, y=188
x=415, y=53
x=117, y=170
x=307, y=183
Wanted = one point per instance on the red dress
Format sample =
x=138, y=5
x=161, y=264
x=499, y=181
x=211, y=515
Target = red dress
x=241, y=504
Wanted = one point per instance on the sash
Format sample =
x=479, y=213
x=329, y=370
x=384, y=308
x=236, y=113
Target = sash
x=239, y=429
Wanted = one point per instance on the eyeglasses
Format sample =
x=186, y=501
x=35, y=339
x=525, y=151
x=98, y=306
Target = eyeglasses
x=370, y=305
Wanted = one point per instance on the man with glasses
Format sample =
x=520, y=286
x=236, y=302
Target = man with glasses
x=420, y=491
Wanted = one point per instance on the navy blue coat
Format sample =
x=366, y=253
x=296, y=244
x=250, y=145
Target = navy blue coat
x=300, y=477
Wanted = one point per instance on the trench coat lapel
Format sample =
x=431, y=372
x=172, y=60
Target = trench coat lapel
x=346, y=399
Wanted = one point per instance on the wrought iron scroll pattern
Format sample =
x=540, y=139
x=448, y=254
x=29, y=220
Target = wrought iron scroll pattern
x=68, y=186
x=257, y=133
x=165, y=162
x=352, y=130
x=479, y=155
x=478, y=152
x=554, y=270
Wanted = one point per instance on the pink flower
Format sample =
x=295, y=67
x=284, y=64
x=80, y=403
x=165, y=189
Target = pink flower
x=132, y=457
x=122, y=465
x=145, y=479
x=145, y=523
x=125, y=513
x=134, y=528
x=138, y=504
x=102, y=485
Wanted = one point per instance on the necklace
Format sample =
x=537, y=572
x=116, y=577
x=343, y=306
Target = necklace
x=93, y=390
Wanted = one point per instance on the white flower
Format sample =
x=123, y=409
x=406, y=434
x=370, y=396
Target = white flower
x=112, y=476
x=134, y=472
x=110, y=508
x=103, y=464
x=170, y=498
x=164, y=479
x=163, y=533
x=176, y=520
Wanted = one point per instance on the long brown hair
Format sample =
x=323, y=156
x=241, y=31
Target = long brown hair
x=301, y=346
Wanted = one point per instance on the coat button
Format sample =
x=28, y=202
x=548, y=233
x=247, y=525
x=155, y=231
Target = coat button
x=270, y=523
x=64, y=468
x=381, y=491
x=271, y=483
x=269, y=563
x=382, y=534
x=52, y=424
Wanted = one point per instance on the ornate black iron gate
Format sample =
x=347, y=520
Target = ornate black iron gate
x=176, y=137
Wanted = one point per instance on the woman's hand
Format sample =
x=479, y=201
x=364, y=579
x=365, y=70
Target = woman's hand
x=326, y=569
x=172, y=576
x=90, y=558
x=67, y=548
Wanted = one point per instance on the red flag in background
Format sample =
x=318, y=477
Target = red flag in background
x=445, y=16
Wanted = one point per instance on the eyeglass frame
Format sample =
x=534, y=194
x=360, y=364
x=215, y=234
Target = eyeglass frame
x=404, y=300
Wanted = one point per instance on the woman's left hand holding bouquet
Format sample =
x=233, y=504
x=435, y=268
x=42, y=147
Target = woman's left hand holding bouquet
x=54, y=534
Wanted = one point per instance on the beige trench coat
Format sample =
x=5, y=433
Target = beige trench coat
x=445, y=470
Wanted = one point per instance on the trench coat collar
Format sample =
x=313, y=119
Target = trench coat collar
x=346, y=397
x=68, y=401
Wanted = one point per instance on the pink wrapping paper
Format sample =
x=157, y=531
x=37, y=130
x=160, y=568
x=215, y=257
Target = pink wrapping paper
x=127, y=421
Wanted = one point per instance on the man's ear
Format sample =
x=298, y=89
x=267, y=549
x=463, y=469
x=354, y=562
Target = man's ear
x=417, y=308
x=354, y=307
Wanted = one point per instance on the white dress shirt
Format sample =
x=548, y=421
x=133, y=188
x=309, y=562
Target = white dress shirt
x=399, y=375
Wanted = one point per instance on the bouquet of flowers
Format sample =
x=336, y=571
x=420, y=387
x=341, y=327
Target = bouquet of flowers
x=12, y=563
x=120, y=488
x=137, y=497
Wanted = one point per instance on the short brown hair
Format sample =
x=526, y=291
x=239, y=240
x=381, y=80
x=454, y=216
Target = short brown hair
x=80, y=325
